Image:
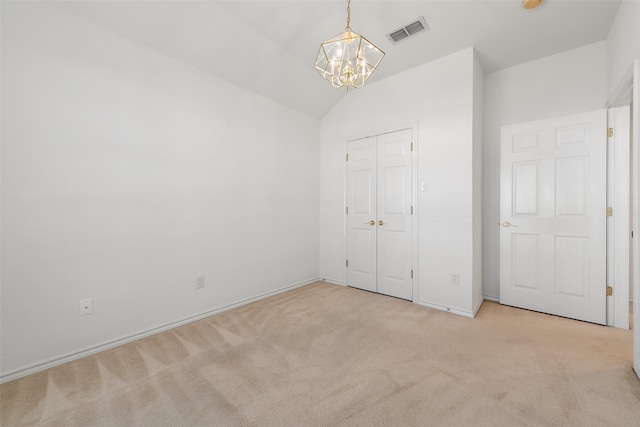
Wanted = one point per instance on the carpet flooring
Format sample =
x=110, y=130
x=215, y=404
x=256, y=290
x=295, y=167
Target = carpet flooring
x=326, y=355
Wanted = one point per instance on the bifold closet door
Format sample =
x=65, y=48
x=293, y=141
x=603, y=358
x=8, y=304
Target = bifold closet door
x=379, y=210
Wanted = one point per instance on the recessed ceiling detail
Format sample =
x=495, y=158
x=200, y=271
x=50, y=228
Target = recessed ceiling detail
x=410, y=30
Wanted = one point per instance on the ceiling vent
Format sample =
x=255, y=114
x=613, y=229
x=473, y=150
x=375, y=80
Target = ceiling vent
x=408, y=31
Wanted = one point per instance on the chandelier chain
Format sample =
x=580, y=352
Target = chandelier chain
x=348, y=28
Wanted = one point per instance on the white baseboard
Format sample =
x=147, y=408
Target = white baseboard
x=446, y=309
x=477, y=307
x=32, y=369
x=490, y=298
x=333, y=281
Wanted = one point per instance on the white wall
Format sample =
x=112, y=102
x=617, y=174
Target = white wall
x=125, y=175
x=566, y=83
x=623, y=43
x=440, y=96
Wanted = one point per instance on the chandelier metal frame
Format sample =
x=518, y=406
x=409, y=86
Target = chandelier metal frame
x=348, y=59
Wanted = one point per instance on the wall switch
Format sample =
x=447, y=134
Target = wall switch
x=455, y=279
x=424, y=186
x=200, y=282
x=86, y=306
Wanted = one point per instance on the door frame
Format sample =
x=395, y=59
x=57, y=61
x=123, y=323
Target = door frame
x=618, y=225
x=414, y=179
x=628, y=93
x=635, y=200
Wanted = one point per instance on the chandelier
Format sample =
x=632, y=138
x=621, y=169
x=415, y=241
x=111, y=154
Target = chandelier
x=348, y=59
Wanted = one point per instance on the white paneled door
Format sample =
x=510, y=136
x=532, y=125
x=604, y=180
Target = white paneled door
x=379, y=210
x=553, y=216
x=361, y=214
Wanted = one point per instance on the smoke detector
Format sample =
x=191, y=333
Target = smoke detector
x=408, y=31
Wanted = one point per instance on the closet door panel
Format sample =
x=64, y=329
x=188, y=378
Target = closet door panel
x=361, y=203
x=395, y=231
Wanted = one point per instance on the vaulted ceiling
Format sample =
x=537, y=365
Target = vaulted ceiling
x=269, y=47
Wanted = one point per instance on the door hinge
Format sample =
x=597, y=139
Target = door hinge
x=412, y=274
x=412, y=146
x=609, y=132
x=609, y=291
x=347, y=157
x=609, y=211
x=411, y=210
x=346, y=210
x=347, y=263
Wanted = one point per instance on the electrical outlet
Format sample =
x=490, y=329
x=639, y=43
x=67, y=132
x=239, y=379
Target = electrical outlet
x=455, y=279
x=200, y=282
x=86, y=306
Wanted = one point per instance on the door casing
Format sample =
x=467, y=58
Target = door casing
x=627, y=92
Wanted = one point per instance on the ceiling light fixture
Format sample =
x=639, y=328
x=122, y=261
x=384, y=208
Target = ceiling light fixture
x=348, y=59
x=530, y=4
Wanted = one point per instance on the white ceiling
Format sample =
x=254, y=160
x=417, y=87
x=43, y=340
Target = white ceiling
x=269, y=47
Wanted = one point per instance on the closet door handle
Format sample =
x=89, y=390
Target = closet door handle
x=381, y=223
x=372, y=222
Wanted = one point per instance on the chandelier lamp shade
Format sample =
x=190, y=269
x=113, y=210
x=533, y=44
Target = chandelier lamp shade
x=348, y=59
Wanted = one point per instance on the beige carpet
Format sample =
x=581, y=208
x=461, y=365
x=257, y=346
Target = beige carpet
x=328, y=355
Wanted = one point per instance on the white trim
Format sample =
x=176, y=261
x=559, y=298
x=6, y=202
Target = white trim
x=345, y=196
x=490, y=298
x=610, y=223
x=37, y=367
x=477, y=307
x=628, y=92
x=446, y=309
x=383, y=130
x=619, y=196
x=621, y=216
x=414, y=165
x=636, y=214
x=332, y=281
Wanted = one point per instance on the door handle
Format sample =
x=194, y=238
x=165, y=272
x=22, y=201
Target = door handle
x=381, y=223
x=372, y=222
x=507, y=224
